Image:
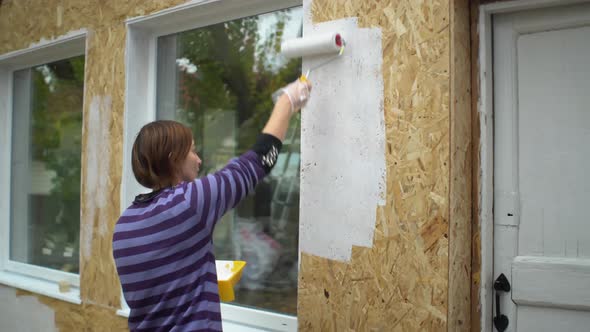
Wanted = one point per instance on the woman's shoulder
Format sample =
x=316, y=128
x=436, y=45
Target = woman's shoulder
x=148, y=204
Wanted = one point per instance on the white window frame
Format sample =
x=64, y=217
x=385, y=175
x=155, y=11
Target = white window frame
x=30, y=277
x=140, y=109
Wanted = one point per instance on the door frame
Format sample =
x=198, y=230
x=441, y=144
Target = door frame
x=485, y=120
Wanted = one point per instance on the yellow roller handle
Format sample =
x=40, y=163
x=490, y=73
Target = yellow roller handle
x=303, y=77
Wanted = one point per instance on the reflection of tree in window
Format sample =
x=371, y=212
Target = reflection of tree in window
x=56, y=130
x=225, y=75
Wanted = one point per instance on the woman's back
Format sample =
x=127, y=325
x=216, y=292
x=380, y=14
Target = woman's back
x=162, y=243
x=163, y=248
x=164, y=256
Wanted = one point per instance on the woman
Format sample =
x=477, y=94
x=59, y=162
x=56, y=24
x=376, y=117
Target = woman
x=162, y=243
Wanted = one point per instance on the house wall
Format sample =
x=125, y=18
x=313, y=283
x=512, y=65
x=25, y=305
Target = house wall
x=415, y=277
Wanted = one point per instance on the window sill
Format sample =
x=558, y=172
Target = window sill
x=123, y=312
x=39, y=286
x=237, y=318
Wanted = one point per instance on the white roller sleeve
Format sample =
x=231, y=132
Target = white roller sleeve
x=315, y=45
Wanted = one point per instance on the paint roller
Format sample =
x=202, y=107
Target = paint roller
x=321, y=44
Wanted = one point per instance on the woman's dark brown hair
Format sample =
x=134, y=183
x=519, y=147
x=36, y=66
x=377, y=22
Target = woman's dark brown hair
x=159, y=150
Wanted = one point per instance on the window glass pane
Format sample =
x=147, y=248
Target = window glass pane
x=46, y=150
x=219, y=80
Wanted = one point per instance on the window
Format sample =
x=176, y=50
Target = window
x=45, y=187
x=154, y=43
x=41, y=152
x=218, y=80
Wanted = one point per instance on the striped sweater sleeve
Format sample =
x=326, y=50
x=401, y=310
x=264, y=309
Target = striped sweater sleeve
x=224, y=189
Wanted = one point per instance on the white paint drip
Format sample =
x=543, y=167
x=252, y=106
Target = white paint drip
x=43, y=42
x=59, y=15
x=343, y=144
x=97, y=168
x=42, y=50
x=224, y=270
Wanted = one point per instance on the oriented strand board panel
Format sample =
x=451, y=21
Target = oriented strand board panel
x=476, y=164
x=102, y=163
x=26, y=22
x=461, y=161
x=401, y=283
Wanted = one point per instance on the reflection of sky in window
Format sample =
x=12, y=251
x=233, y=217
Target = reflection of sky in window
x=266, y=26
x=47, y=76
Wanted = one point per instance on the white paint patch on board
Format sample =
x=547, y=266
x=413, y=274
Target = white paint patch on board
x=97, y=168
x=24, y=313
x=343, y=144
x=44, y=42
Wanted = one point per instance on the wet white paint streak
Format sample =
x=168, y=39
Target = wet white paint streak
x=43, y=42
x=343, y=144
x=97, y=168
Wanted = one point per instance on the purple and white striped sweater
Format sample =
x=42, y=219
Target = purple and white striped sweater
x=163, y=249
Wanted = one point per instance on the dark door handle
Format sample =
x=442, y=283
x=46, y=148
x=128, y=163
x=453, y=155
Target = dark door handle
x=501, y=285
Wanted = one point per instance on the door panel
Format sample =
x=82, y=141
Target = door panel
x=551, y=319
x=551, y=282
x=542, y=165
x=553, y=136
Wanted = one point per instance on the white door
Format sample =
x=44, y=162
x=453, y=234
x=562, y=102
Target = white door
x=542, y=167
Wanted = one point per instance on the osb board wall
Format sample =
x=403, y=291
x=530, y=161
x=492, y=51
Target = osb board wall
x=102, y=163
x=461, y=165
x=401, y=283
x=25, y=22
x=476, y=164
